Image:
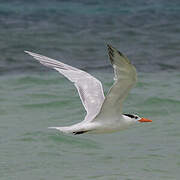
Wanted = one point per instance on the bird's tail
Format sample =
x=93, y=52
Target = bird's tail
x=66, y=130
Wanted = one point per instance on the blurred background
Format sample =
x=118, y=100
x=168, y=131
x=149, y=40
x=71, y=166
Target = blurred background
x=34, y=97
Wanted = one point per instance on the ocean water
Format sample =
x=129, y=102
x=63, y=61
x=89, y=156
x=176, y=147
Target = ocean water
x=34, y=97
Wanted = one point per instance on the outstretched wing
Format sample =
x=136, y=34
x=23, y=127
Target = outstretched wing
x=89, y=88
x=125, y=78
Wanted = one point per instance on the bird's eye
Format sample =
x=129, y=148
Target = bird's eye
x=135, y=117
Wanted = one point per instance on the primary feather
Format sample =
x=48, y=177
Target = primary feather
x=89, y=88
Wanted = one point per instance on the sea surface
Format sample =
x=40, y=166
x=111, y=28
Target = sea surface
x=33, y=97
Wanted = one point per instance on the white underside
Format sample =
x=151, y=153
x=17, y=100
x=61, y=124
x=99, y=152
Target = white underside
x=96, y=127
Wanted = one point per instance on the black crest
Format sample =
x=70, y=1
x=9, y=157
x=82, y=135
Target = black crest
x=131, y=116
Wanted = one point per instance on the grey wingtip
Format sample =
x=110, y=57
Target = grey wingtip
x=108, y=45
x=110, y=53
x=27, y=52
x=30, y=53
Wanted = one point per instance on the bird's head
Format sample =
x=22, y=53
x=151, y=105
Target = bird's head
x=136, y=118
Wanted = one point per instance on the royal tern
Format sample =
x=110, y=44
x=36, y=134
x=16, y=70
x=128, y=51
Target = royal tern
x=104, y=114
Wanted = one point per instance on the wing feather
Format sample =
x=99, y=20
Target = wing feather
x=125, y=78
x=89, y=88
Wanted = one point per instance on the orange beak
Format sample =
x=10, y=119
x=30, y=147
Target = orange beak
x=144, y=120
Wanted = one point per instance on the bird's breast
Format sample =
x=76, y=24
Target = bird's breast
x=109, y=125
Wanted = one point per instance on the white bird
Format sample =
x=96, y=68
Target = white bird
x=104, y=114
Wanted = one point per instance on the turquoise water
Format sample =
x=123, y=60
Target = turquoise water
x=31, y=103
x=34, y=97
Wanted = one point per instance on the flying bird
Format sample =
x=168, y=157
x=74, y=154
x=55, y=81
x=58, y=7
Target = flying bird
x=104, y=114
